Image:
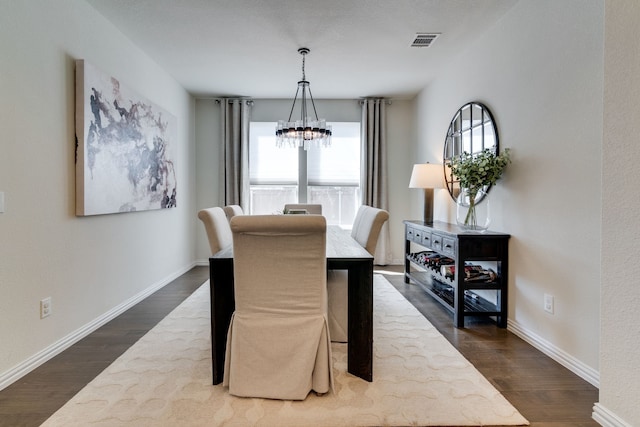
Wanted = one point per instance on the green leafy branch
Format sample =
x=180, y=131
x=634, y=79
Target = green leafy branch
x=479, y=170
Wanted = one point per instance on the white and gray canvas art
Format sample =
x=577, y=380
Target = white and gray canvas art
x=125, y=148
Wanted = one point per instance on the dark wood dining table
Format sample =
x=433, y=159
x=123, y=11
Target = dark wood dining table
x=343, y=253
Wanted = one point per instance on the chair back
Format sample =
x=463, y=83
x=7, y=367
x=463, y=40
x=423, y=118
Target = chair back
x=232, y=210
x=217, y=228
x=280, y=263
x=366, y=230
x=314, y=209
x=367, y=226
x=278, y=344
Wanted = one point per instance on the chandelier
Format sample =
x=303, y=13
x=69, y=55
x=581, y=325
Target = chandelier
x=307, y=130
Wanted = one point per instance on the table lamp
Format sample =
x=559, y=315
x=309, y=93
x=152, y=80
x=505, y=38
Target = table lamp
x=427, y=176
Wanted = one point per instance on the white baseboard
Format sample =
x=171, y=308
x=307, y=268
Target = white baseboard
x=574, y=365
x=14, y=374
x=606, y=418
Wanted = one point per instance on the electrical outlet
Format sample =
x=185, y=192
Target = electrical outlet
x=45, y=307
x=548, y=303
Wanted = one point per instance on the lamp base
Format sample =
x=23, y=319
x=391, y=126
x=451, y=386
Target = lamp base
x=428, y=206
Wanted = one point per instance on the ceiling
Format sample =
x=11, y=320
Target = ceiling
x=358, y=48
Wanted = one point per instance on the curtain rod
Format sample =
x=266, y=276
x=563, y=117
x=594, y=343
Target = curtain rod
x=386, y=101
x=219, y=100
x=250, y=101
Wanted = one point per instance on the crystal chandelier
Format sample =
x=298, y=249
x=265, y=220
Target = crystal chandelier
x=307, y=130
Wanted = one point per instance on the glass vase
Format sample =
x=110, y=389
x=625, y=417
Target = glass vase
x=472, y=210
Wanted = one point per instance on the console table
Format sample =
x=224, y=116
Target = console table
x=458, y=293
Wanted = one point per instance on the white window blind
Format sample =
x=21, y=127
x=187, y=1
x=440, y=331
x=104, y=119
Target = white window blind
x=269, y=164
x=338, y=164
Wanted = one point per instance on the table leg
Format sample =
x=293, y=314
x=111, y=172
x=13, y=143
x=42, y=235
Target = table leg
x=360, y=333
x=222, y=307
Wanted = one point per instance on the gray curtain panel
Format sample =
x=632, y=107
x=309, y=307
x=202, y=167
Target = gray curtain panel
x=374, y=167
x=235, y=119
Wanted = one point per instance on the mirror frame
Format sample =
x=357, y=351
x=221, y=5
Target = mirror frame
x=472, y=129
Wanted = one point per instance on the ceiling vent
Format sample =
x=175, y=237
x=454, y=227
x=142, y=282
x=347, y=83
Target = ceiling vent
x=424, y=40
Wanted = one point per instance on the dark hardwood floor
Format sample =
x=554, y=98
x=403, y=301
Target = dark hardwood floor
x=546, y=393
x=36, y=396
x=542, y=390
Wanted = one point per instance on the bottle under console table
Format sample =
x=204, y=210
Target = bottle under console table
x=482, y=290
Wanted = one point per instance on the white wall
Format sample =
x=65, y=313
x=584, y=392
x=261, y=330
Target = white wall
x=401, y=123
x=620, y=329
x=88, y=265
x=399, y=133
x=208, y=172
x=540, y=71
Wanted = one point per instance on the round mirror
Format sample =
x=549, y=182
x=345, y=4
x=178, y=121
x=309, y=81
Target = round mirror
x=471, y=130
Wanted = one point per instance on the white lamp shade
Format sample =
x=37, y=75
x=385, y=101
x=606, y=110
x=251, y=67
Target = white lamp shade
x=426, y=175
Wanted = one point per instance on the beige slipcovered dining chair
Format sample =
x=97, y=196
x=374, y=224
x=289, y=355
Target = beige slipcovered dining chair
x=314, y=209
x=278, y=344
x=366, y=230
x=217, y=228
x=232, y=210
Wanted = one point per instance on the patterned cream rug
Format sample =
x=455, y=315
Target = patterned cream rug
x=165, y=380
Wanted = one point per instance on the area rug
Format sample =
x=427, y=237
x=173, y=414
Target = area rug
x=164, y=379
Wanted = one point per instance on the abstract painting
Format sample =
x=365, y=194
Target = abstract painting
x=125, y=148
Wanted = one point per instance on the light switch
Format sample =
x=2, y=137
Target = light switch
x=1, y=201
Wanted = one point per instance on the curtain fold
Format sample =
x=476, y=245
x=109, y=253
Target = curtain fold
x=235, y=119
x=374, y=168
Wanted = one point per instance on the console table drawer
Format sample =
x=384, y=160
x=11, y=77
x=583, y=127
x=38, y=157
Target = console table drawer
x=410, y=234
x=426, y=239
x=442, y=244
x=436, y=242
x=448, y=246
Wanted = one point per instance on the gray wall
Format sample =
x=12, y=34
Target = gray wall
x=92, y=267
x=540, y=71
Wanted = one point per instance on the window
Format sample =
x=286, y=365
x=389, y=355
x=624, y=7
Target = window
x=329, y=176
